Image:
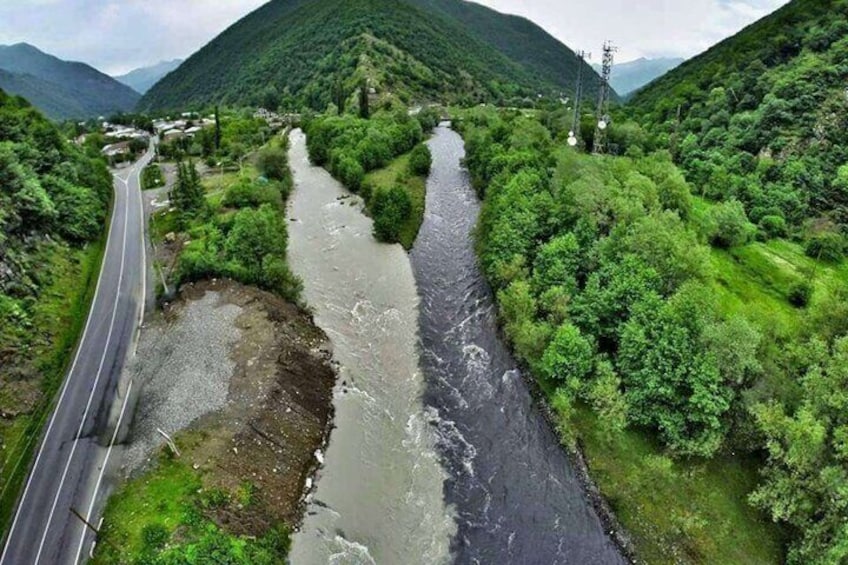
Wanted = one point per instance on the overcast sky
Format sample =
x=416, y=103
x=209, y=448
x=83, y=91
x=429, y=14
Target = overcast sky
x=119, y=35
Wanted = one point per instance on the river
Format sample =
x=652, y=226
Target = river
x=379, y=496
x=439, y=453
x=517, y=497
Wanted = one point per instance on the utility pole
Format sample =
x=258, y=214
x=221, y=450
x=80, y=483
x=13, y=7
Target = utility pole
x=574, y=134
x=600, y=142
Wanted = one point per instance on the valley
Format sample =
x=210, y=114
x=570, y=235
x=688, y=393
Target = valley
x=408, y=281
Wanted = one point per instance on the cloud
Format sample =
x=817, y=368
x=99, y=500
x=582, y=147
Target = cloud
x=119, y=35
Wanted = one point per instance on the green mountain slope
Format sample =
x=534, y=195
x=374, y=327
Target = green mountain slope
x=141, y=80
x=62, y=89
x=763, y=116
x=296, y=51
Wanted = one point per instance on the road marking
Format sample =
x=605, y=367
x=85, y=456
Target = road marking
x=64, y=389
x=93, y=388
x=103, y=471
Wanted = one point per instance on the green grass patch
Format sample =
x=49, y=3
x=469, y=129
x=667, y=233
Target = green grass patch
x=167, y=515
x=397, y=174
x=679, y=511
x=60, y=316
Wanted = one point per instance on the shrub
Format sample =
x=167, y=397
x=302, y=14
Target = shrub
x=349, y=172
x=249, y=194
x=391, y=208
x=827, y=246
x=800, y=294
x=773, y=226
x=569, y=357
x=420, y=160
x=273, y=163
x=731, y=227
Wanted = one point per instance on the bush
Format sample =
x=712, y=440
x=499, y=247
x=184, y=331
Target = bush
x=391, y=208
x=800, y=294
x=249, y=194
x=152, y=177
x=570, y=356
x=826, y=247
x=773, y=226
x=349, y=172
x=273, y=163
x=420, y=160
x=731, y=227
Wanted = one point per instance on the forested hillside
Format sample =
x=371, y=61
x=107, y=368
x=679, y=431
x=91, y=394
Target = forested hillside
x=704, y=371
x=53, y=202
x=62, y=89
x=762, y=118
x=309, y=52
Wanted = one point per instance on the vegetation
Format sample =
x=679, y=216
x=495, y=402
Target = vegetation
x=656, y=312
x=761, y=119
x=389, y=147
x=53, y=202
x=61, y=89
x=168, y=516
x=152, y=177
x=241, y=234
x=294, y=53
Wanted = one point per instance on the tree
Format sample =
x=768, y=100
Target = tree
x=730, y=225
x=255, y=235
x=187, y=195
x=364, y=107
x=391, y=209
x=273, y=163
x=570, y=356
x=420, y=160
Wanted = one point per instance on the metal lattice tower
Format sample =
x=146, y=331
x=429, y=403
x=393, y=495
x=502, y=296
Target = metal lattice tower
x=574, y=134
x=600, y=144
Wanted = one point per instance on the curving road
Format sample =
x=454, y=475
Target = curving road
x=72, y=461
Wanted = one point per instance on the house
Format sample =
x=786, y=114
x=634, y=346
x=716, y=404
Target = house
x=121, y=148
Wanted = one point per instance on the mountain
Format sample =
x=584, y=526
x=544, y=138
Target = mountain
x=762, y=117
x=300, y=51
x=633, y=75
x=61, y=89
x=141, y=80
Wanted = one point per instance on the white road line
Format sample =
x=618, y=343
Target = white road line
x=103, y=470
x=64, y=388
x=93, y=388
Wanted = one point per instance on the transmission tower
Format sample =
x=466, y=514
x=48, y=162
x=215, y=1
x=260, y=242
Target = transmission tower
x=600, y=144
x=574, y=134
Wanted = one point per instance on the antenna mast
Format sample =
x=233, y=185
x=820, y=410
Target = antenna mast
x=604, y=100
x=578, y=99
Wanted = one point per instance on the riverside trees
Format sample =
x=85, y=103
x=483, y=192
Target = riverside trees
x=608, y=272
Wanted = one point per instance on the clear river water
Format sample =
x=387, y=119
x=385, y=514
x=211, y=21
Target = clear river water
x=439, y=453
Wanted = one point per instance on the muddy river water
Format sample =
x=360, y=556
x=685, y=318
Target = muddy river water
x=439, y=453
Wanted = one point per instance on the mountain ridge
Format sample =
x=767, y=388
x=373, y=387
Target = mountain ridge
x=63, y=89
x=284, y=45
x=142, y=79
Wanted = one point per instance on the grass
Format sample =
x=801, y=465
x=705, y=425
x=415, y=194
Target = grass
x=396, y=174
x=170, y=514
x=678, y=511
x=59, y=315
x=162, y=498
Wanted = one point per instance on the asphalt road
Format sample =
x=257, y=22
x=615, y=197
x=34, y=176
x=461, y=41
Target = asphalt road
x=74, y=456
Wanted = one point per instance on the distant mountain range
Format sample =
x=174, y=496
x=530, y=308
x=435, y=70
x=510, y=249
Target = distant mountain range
x=307, y=52
x=142, y=79
x=633, y=75
x=61, y=89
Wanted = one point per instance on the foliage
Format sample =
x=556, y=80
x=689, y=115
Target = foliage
x=187, y=194
x=420, y=160
x=761, y=117
x=152, y=177
x=390, y=208
x=807, y=472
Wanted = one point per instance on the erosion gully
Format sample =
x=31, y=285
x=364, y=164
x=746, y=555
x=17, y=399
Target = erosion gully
x=439, y=453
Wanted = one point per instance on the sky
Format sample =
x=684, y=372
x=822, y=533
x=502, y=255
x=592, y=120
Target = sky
x=116, y=36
